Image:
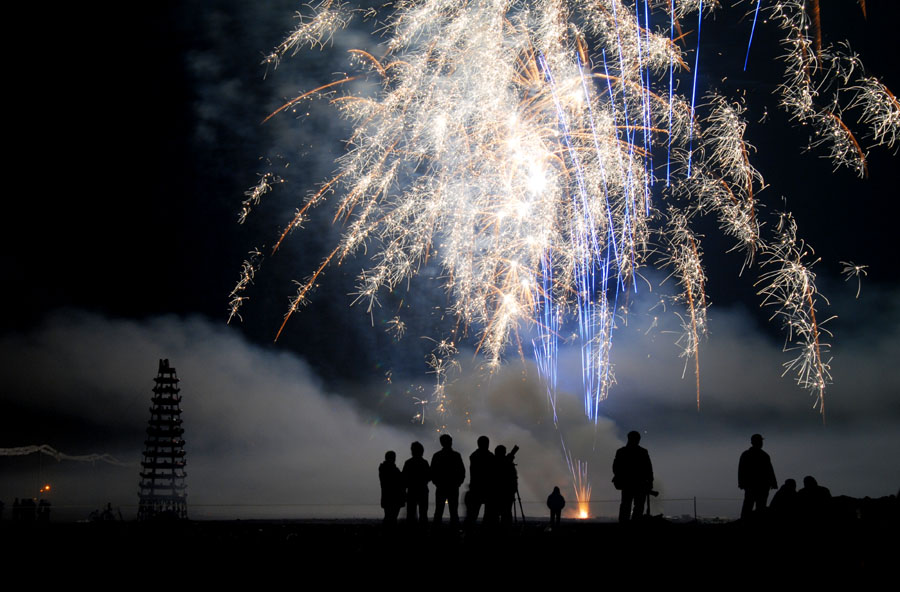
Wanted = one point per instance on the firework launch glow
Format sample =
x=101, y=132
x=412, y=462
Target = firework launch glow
x=543, y=152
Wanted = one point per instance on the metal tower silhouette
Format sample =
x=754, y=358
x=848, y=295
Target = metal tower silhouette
x=162, y=494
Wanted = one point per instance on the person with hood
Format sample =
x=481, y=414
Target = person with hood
x=556, y=502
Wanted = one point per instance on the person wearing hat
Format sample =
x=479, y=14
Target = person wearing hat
x=756, y=477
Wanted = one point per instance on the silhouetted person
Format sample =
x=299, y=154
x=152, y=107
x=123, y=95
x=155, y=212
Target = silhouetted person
x=505, y=485
x=447, y=473
x=756, y=477
x=633, y=476
x=556, y=502
x=813, y=500
x=784, y=502
x=416, y=476
x=481, y=469
x=392, y=491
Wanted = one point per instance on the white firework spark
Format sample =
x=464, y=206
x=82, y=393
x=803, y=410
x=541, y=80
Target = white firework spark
x=790, y=287
x=317, y=30
x=851, y=270
x=517, y=143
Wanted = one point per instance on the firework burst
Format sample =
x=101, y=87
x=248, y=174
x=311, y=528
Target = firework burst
x=518, y=144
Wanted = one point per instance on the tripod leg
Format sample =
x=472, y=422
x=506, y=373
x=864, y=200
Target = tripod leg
x=521, y=509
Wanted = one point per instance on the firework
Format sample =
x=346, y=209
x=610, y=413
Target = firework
x=880, y=111
x=248, y=272
x=255, y=193
x=822, y=82
x=581, y=484
x=518, y=143
x=534, y=192
x=790, y=287
x=684, y=256
x=314, y=30
x=850, y=270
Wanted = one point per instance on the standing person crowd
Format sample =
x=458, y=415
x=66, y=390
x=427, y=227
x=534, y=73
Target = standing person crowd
x=493, y=485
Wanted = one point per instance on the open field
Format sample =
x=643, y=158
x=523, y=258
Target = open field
x=654, y=549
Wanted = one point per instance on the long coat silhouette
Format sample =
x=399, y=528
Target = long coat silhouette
x=556, y=502
x=392, y=490
x=416, y=475
x=481, y=470
x=755, y=476
x=447, y=472
x=633, y=475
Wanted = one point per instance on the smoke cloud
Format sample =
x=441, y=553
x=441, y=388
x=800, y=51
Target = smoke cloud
x=267, y=437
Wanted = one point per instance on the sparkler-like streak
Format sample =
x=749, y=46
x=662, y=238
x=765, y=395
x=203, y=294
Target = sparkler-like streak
x=314, y=31
x=851, y=270
x=248, y=272
x=880, y=111
x=684, y=257
x=791, y=288
x=752, y=30
x=581, y=484
x=814, y=72
x=513, y=142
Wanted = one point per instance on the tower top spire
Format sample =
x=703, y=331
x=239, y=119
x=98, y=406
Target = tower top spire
x=162, y=487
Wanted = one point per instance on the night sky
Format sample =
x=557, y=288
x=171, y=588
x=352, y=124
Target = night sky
x=134, y=137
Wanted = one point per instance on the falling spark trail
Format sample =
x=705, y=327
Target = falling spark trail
x=752, y=29
x=853, y=270
x=314, y=91
x=671, y=93
x=581, y=484
x=492, y=148
x=694, y=89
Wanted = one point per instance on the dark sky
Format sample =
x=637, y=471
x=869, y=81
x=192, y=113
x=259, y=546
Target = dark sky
x=134, y=136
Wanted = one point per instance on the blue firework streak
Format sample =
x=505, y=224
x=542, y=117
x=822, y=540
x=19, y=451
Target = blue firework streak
x=513, y=142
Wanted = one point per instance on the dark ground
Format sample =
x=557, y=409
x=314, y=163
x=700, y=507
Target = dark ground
x=363, y=550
